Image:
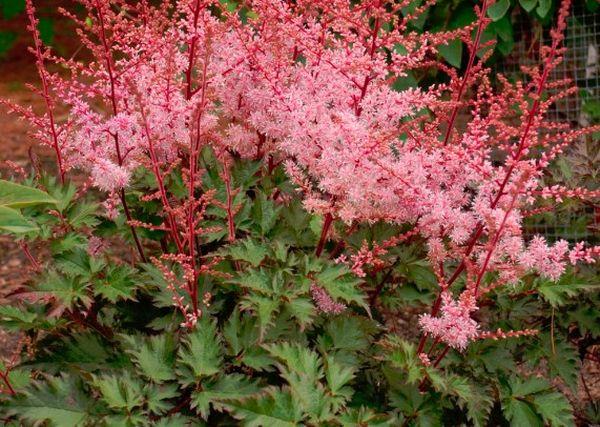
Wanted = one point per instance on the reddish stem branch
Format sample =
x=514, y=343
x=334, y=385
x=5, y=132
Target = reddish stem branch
x=45, y=89
x=465, y=79
x=115, y=110
x=328, y=220
x=548, y=64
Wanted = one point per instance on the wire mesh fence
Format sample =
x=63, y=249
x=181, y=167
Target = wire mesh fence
x=581, y=64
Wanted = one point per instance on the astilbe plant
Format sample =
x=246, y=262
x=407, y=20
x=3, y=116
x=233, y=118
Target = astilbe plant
x=185, y=116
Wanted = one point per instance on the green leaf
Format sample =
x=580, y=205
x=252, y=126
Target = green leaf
x=12, y=221
x=264, y=213
x=118, y=284
x=337, y=281
x=157, y=397
x=275, y=408
x=543, y=8
x=359, y=417
x=154, y=356
x=60, y=401
x=532, y=402
x=69, y=291
x=201, y=351
x=46, y=29
x=120, y=392
x=303, y=310
x=250, y=251
x=11, y=8
x=528, y=5
x=225, y=389
x=302, y=368
x=498, y=9
x=83, y=215
x=7, y=41
x=452, y=52
x=338, y=377
x=20, y=196
x=558, y=293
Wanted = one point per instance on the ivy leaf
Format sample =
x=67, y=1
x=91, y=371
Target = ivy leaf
x=201, y=351
x=218, y=393
x=275, y=408
x=498, y=9
x=61, y=401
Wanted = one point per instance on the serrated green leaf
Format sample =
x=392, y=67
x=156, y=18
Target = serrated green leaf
x=225, y=389
x=531, y=401
x=60, y=401
x=201, y=351
x=154, y=356
x=69, y=291
x=248, y=250
x=118, y=284
x=275, y=408
x=119, y=392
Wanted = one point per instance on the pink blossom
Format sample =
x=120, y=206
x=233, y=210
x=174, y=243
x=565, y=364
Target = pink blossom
x=454, y=326
x=324, y=301
x=549, y=261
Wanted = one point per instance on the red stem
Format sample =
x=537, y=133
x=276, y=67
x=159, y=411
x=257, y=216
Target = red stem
x=515, y=159
x=328, y=220
x=113, y=98
x=45, y=91
x=4, y=376
x=465, y=80
x=230, y=216
x=30, y=257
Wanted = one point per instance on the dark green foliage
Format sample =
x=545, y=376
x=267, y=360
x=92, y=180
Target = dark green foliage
x=107, y=347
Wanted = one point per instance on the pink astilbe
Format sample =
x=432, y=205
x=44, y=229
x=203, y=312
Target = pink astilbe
x=310, y=85
x=324, y=301
x=454, y=326
x=548, y=261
